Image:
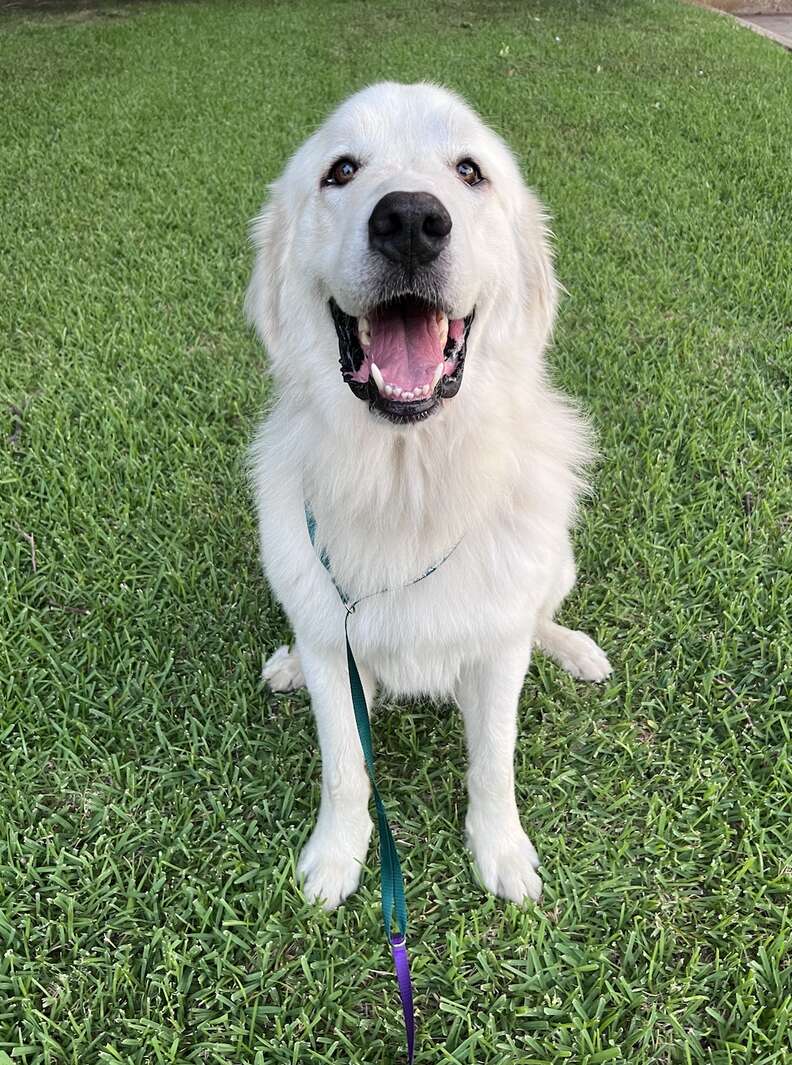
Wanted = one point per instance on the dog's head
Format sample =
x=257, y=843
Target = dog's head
x=399, y=236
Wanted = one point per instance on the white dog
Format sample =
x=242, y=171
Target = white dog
x=404, y=288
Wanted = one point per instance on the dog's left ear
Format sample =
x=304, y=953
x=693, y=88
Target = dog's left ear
x=269, y=234
x=539, y=287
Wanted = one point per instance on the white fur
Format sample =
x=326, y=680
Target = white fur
x=498, y=469
x=282, y=671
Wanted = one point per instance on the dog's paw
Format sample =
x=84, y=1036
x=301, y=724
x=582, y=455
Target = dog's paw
x=330, y=866
x=575, y=652
x=506, y=864
x=282, y=672
x=582, y=658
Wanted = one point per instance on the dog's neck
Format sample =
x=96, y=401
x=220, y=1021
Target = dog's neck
x=425, y=483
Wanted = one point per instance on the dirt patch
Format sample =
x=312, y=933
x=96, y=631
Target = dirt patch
x=745, y=7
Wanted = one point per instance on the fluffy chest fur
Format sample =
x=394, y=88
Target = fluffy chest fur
x=388, y=506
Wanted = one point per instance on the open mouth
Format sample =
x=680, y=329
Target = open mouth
x=403, y=357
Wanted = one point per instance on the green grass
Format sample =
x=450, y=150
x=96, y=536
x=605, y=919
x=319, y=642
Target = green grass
x=152, y=796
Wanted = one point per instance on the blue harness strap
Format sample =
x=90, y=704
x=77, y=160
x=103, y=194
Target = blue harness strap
x=391, y=878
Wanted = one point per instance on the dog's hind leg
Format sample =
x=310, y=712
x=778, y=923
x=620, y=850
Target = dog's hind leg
x=282, y=671
x=574, y=651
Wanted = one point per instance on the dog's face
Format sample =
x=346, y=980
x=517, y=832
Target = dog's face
x=403, y=225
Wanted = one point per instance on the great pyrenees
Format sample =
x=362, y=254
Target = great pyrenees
x=404, y=289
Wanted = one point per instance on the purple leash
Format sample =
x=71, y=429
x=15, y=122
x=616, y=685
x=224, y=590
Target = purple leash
x=402, y=965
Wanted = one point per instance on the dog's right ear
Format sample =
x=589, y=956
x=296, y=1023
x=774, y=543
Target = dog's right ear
x=269, y=235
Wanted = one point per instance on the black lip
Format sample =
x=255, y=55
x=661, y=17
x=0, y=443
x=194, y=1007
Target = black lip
x=351, y=359
x=404, y=413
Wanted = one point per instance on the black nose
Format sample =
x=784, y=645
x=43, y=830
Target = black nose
x=410, y=228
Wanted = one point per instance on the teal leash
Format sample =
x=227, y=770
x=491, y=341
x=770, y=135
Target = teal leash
x=391, y=877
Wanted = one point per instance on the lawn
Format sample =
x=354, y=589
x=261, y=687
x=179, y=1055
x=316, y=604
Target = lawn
x=153, y=796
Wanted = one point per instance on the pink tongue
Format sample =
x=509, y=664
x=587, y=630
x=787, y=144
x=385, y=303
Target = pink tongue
x=405, y=345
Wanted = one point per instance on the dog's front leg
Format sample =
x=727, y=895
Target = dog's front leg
x=488, y=694
x=332, y=858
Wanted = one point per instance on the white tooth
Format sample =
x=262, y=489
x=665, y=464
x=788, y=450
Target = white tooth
x=388, y=390
x=375, y=373
x=436, y=377
x=365, y=339
x=443, y=331
x=363, y=325
x=407, y=395
x=396, y=391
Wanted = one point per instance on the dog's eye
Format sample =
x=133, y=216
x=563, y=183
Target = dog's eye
x=341, y=172
x=469, y=171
